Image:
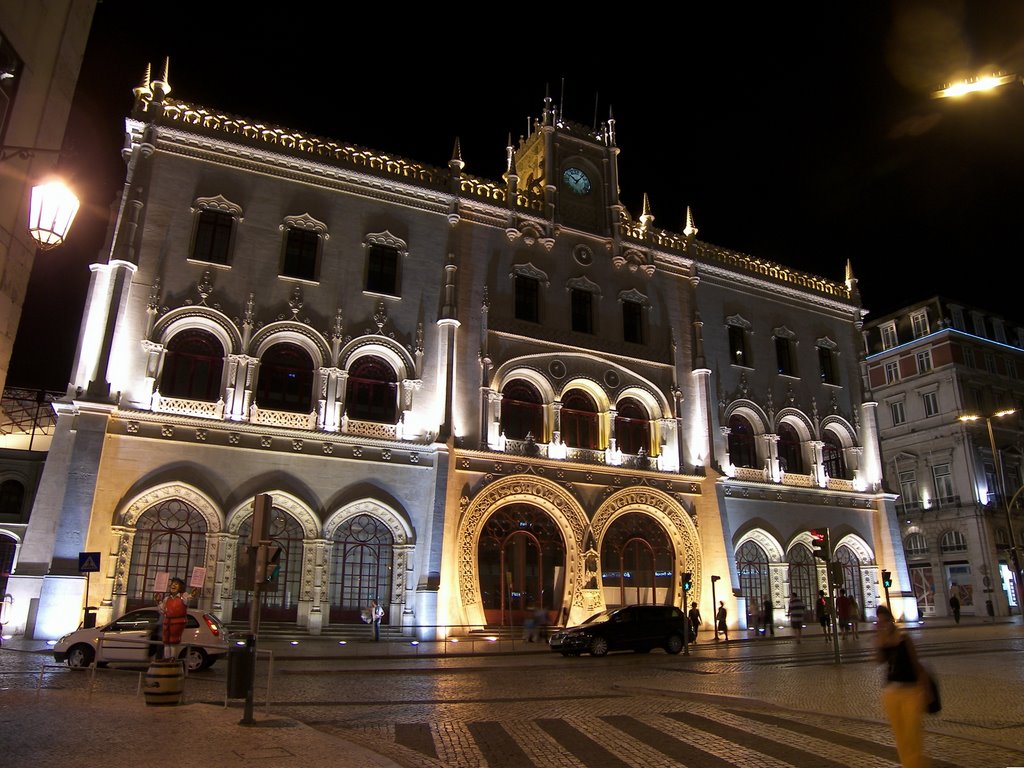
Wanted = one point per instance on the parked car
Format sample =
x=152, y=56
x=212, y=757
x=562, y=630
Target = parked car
x=636, y=627
x=127, y=639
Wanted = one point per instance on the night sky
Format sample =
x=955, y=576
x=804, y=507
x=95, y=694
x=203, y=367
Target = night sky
x=802, y=139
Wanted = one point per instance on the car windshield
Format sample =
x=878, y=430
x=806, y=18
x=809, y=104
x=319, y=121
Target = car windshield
x=597, y=618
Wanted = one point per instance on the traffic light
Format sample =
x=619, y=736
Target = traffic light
x=886, y=579
x=822, y=545
x=268, y=563
x=687, y=581
x=262, y=510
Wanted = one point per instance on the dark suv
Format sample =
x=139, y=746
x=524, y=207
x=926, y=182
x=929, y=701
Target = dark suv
x=633, y=628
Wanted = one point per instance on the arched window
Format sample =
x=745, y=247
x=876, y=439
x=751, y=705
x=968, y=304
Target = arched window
x=282, y=601
x=752, y=567
x=580, y=427
x=193, y=362
x=632, y=426
x=169, y=538
x=361, y=564
x=637, y=560
x=916, y=545
x=520, y=556
x=522, y=411
x=803, y=575
x=790, y=450
x=12, y=498
x=953, y=541
x=8, y=546
x=832, y=455
x=285, y=379
x=372, y=393
x=741, y=442
x=848, y=561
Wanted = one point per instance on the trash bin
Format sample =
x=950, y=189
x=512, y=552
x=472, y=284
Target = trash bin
x=89, y=620
x=241, y=666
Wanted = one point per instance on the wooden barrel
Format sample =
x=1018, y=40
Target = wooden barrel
x=165, y=680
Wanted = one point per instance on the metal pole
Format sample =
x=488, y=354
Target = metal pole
x=1014, y=562
x=254, y=628
x=714, y=607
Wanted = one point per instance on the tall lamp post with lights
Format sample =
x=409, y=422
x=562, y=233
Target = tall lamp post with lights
x=997, y=459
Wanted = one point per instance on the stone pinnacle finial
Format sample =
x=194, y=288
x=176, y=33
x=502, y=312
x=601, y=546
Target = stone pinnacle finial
x=456, y=161
x=144, y=90
x=646, y=218
x=690, y=230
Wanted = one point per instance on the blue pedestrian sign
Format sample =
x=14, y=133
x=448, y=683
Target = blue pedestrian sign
x=88, y=562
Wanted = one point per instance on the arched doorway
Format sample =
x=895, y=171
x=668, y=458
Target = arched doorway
x=803, y=575
x=637, y=562
x=193, y=363
x=170, y=537
x=752, y=567
x=521, y=557
x=742, y=452
x=360, y=568
x=790, y=450
x=851, y=576
x=285, y=380
x=632, y=426
x=280, y=597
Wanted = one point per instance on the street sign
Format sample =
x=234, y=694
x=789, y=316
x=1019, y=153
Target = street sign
x=88, y=562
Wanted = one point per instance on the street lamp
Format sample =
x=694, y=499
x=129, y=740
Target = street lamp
x=981, y=84
x=53, y=205
x=996, y=457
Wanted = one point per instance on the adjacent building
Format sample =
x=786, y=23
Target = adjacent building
x=471, y=399
x=929, y=365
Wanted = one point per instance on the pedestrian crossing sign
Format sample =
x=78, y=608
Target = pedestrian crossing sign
x=88, y=562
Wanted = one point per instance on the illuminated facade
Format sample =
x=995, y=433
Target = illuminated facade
x=472, y=399
x=929, y=364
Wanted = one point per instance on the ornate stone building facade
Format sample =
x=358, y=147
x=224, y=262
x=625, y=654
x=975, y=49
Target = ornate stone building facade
x=928, y=365
x=472, y=399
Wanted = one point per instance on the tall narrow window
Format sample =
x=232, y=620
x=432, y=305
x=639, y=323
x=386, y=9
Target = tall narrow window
x=924, y=361
x=527, y=298
x=832, y=456
x=193, y=363
x=943, y=480
x=784, y=355
x=522, y=411
x=919, y=322
x=582, y=307
x=908, y=488
x=889, y=339
x=892, y=372
x=633, y=321
x=632, y=426
x=301, y=250
x=827, y=365
x=899, y=415
x=738, y=346
x=931, y=403
x=372, y=393
x=382, y=270
x=790, y=450
x=213, y=236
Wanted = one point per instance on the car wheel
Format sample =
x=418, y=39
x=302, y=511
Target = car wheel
x=599, y=647
x=80, y=656
x=674, y=644
x=195, y=659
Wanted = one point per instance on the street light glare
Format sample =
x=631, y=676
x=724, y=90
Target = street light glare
x=973, y=85
x=1006, y=412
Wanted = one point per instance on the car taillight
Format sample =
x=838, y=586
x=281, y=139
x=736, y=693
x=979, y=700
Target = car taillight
x=212, y=624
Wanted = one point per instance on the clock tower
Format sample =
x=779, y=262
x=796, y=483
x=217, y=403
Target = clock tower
x=574, y=169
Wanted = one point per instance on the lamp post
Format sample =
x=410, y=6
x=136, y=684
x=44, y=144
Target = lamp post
x=997, y=458
x=53, y=205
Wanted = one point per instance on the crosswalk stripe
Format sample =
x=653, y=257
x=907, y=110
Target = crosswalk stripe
x=787, y=753
x=580, y=746
x=498, y=747
x=678, y=750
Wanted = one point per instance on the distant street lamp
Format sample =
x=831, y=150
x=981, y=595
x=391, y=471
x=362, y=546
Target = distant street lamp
x=53, y=205
x=997, y=458
x=981, y=84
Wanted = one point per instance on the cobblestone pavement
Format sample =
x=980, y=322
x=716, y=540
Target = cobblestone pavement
x=768, y=703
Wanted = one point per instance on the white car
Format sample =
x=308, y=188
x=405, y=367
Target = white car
x=127, y=639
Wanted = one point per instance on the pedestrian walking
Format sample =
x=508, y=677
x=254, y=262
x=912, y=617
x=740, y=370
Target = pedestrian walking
x=797, y=609
x=843, y=612
x=855, y=617
x=954, y=605
x=720, y=620
x=376, y=614
x=905, y=694
x=823, y=615
x=767, y=616
x=695, y=621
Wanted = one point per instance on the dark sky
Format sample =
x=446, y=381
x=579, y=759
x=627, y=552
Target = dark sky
x=802, y=139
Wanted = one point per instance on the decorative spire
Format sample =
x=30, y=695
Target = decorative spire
x=510, y=160
x=690, y=230
x=849, y=273
x=456, y=162
x=144, y=89
x=162, y=87
x=611, y=127
x=646, y=218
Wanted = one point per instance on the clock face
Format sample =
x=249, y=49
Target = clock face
x=576, y=180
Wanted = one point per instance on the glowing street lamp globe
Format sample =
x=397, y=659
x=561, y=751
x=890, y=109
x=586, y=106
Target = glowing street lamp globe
x=53, y=208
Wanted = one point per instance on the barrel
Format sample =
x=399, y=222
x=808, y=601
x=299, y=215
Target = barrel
x=165, y=680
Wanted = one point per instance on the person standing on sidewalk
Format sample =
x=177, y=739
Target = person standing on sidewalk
x=721, y=622
x=823, y=615
x=843, y=612
x=797, y=609
x=905, y=695
x=954, y=605
x=376, y=614
x=695, y=621
x=767, y=616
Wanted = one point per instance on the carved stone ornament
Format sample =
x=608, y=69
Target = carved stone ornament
x=634, y=261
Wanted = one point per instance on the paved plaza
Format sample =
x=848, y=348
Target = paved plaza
x=753, y=701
